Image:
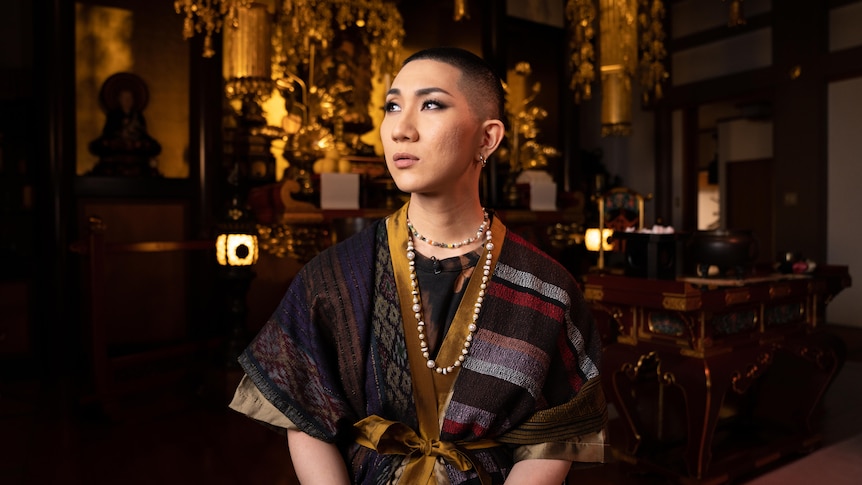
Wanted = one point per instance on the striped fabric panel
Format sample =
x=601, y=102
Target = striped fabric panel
x=529, y=282
x=587, y=365
x=462, y=419
x=492, y=352
x=535, y=348
x=525, y=280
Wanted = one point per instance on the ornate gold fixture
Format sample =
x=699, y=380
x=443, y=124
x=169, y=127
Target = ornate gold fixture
x=304, y=28
x=207, y=17
x=735, y=15
x=626, y=27
x=321, y=56
x=315, y=49
x=652, y=70
x=523, y=151
x=617, y=61
x=247, y=64
x=300, y=25
x=461, y=10
x=233, y=249
x=581, y=15
x=526, y=152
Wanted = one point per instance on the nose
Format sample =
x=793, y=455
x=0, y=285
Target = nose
x=404, y=127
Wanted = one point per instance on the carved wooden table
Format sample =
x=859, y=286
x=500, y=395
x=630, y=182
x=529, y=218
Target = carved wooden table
x=714, y=379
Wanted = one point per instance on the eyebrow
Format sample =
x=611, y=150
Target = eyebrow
x=420, y=92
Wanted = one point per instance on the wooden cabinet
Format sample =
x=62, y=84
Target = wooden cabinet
x=715, y=378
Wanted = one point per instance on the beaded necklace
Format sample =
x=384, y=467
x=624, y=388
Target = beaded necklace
x=456, y=245
x=417, y=304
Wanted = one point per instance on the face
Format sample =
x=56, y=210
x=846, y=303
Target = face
x=431, y=137
x=127, y=100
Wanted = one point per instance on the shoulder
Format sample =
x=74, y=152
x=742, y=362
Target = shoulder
x=524, y=256
x=347, y=260
x=349, y=248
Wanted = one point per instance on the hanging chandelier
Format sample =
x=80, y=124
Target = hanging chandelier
x=320, y=54
x=631, y=49
x=301, y=26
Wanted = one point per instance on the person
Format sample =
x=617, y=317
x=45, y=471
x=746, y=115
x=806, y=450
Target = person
x=434, y=346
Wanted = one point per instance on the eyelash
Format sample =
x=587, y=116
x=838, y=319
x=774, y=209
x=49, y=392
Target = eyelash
x=389, y=106
x=432, y=101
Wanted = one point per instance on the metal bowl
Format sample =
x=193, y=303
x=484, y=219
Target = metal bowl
x=731, y=251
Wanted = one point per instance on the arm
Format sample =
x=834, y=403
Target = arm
x=315, y=461
x=539, y=472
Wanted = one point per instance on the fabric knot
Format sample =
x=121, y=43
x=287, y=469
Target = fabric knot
x=428, y=447
x=396, y=438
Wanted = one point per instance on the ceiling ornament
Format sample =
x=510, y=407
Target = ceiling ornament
x=631, y=48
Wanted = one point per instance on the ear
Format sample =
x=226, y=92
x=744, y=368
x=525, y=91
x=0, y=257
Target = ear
x=494, y=131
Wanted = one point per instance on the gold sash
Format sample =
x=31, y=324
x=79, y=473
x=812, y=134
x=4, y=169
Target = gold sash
x=391, y=437
x=396, y=438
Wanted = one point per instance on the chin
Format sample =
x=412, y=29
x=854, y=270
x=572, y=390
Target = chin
x=407, y=183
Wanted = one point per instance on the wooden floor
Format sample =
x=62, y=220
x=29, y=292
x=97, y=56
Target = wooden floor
x=186, y=435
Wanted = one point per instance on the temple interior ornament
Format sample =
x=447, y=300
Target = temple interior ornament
x=125, y=148
x=631, y=49
x=320, y=54
x=525, y=151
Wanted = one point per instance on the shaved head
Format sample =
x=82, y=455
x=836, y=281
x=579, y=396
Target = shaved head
x=478, y=81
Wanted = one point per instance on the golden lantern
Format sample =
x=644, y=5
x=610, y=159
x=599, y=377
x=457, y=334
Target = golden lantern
x=597, y=239
x=236, y=249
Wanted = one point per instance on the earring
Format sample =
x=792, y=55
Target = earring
x=482, y=159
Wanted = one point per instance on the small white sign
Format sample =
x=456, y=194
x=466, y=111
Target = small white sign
x=339, y=191
x=543, y=196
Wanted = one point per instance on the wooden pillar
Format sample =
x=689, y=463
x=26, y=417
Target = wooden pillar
x=799, y=39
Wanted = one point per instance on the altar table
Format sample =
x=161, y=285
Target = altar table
x=715, y=378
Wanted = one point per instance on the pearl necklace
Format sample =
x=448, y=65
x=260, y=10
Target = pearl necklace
x=417, y=305
x=456, y=245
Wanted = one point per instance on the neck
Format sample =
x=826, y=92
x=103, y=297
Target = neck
x=445, y=222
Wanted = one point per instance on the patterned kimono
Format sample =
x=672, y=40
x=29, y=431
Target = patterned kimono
x=339, y=359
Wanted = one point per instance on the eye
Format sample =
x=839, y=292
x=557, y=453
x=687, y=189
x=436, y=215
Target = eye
x=432, y=104
x=391, y=107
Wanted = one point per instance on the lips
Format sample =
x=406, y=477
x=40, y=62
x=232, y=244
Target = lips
x=404, y=160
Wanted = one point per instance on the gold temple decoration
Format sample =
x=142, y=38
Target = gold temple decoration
x=205, y=16
x=618, y=62
x=306, y=26
x=300, y=25
x=319, y=53
x=247, y=66
x=461, y=10
x=321, y=57
x=581, y=14
x=653, y=53
x=626, y=28
x=735, y=15
x=526, y=152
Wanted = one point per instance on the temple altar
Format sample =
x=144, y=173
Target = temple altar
x=714, y=379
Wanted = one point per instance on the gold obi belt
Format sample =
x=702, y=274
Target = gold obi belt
x=395, y=438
